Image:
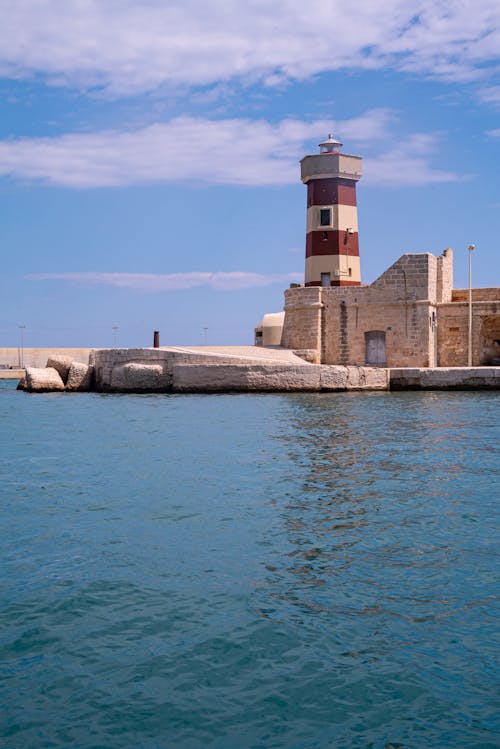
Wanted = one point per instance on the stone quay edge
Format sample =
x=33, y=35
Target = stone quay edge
x=237, y=369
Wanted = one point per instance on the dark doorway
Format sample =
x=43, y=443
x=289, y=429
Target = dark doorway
x=490, y=342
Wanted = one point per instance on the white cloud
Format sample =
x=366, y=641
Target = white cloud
x=489, y=95
x=231, y=152
x=132, y=46
x=151, y=282
x=494, y=133
x=406, y=164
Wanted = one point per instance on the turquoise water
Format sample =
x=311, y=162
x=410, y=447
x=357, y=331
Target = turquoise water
x=249, y=571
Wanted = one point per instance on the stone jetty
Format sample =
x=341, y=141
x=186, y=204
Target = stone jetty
x=235, y=369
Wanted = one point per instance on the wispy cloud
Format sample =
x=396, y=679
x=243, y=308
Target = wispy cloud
x=132, y=46
x=151, y=282
x=230, y=152
x=407, y=163
x=494, y=133
x=490, y=95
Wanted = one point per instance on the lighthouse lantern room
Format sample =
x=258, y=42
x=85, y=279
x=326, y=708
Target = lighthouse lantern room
x=332, y=248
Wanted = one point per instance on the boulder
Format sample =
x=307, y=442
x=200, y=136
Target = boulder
x=21, y=385
x=135, y=377
x=43, y=380
x=61, y=364
x=79, y=377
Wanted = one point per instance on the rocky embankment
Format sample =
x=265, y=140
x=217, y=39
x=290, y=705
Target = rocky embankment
x=60, y=373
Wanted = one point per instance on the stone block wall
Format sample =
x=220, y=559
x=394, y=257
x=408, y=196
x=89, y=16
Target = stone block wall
x=453, y=332
x=302, y=326
x=400, y=305
x=444, y=276
x=413, y=277
x=409, y=332
x=478, y=295
x=452, y=335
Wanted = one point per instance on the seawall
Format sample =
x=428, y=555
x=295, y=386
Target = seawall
x=250, y=369
x=17, y=358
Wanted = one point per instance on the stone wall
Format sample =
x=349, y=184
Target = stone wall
x=453, y=333
x=412, y=277
x=459, y=378
x=478, y=295
x=111, y=366
x=400, y=305
x=302, y=326
x=408, y=329
x=413, y=310
x=444, y=277
x=223, y=378
x=37, y=357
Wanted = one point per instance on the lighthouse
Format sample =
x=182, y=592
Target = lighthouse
x=332, y=247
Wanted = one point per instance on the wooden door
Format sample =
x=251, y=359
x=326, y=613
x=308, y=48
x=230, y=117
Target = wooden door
x=375, y=353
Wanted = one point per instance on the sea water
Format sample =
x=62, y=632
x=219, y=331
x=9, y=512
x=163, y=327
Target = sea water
x=300, y=571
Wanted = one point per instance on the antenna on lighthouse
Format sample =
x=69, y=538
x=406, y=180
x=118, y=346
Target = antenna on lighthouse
x=331, y=145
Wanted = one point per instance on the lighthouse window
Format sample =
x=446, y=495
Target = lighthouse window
x=324, y=216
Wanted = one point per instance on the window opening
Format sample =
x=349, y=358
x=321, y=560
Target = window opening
x=325, y=216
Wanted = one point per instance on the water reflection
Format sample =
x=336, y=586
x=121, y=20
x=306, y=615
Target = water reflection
x=371, y=509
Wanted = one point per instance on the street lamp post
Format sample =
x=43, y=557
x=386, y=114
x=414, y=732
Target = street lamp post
x=22, y=328
x=469, y=347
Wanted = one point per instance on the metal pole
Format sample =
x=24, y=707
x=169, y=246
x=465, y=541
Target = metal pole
x=22, y=328
x=469, y=347
x=156, y=339
x=115, y=330
x=205, y=330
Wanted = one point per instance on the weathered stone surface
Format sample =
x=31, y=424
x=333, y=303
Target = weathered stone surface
x=21, y=385
x=367, y=378
x=452, y=378
x=105, y=361
x=79, y=377
x=308, y=354
x=215, y=378
x=336, y=377
x=61, y=364
x=137, y=377
x=333, y=377
x=43, y=380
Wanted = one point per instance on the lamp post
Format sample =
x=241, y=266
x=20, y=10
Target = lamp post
x=22, y=328
x=205, y=332
x=469, y=348
x=115, y=331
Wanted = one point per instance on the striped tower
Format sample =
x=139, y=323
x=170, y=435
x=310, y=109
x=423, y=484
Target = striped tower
x=332, y=249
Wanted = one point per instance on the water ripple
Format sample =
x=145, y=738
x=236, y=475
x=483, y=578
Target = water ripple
x=302, y=571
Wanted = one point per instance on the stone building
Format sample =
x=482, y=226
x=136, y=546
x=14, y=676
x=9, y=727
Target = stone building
x=411, y=316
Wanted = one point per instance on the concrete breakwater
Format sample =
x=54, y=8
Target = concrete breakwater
x=236, y=369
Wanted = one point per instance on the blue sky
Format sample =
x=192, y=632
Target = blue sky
x=149, y=154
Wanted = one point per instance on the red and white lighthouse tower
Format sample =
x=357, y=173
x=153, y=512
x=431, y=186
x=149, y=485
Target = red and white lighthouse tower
x=332, y=248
